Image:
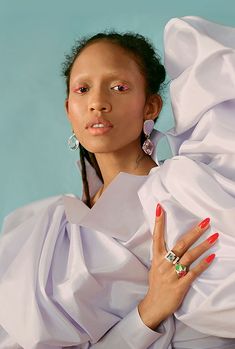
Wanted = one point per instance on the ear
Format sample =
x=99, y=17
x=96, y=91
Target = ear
x=153, y=107
x=66, y=105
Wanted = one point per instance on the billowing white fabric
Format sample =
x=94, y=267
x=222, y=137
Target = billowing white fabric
x=71, y=276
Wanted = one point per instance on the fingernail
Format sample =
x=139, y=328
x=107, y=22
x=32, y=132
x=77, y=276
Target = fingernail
x=210, y=258
x=212, y=238
x=204, y=223
x=158, y=210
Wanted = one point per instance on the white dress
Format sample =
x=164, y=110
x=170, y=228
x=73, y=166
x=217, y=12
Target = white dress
x=71, y=276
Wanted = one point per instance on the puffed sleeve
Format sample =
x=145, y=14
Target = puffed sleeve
x=24, y=213
x=7, y=342
x=49, y=297
x=202, y=91
x=199, y=180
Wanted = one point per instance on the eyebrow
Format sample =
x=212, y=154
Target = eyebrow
x=107, y=75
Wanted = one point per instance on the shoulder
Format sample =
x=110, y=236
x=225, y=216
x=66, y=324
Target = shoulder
x=26, y=212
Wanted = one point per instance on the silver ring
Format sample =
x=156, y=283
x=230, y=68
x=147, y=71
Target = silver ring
x=171, y=257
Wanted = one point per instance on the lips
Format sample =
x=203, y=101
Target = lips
x=106, y=123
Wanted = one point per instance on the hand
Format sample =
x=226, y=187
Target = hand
x=166, y=290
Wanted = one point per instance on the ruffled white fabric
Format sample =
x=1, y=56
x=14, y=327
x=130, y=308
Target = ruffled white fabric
x=73, y=276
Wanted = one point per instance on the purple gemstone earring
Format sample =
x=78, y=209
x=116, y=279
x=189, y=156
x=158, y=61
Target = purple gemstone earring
x=148, y=145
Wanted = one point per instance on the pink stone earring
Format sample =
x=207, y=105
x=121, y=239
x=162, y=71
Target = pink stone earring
x=148, y=145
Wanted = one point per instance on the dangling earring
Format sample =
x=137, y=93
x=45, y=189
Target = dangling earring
x=73, y=142
x=148, y=145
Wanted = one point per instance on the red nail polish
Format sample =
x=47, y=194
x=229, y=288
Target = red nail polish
x=204, y=223
x=212, y=238
x=158, y=210
x=210, y=258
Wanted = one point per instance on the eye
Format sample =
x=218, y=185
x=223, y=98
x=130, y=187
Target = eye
x=82, y=89
x=123, y=88
x=79, y=89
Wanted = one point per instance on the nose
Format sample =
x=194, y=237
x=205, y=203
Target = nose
x=99, y=102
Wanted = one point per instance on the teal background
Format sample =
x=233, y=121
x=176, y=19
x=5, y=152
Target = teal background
x=34, y=37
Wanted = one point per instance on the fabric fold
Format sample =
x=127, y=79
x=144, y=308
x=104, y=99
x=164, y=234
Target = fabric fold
x=71, y=274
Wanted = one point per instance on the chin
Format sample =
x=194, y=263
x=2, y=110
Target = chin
x=102, y=147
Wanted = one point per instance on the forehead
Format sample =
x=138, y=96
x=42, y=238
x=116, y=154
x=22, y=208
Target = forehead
x=104, y=56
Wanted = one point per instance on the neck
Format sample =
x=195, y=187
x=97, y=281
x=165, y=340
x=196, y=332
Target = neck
x=131, y=159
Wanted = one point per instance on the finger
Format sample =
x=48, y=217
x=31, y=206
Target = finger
x=191, y=237
x=197, y=270
x=158, y=233
x=190, y=256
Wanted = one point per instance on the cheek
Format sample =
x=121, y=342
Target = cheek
x=76, y=117
x=135, y=115
x=131, y=129
x=75, y=113
x=73, y=106
x=136, y=105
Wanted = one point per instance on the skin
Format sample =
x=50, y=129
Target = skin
x=166, y=291
x=120, y=151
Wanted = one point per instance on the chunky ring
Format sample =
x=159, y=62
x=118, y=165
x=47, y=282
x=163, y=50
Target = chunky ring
x=171, y=257
x=181, y=270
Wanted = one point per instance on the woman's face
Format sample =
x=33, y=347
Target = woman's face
x=106, y=86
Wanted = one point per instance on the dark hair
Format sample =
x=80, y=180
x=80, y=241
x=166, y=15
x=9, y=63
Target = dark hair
x=149, y=62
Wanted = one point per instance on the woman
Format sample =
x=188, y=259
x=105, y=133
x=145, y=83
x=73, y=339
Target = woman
x=91, y=278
